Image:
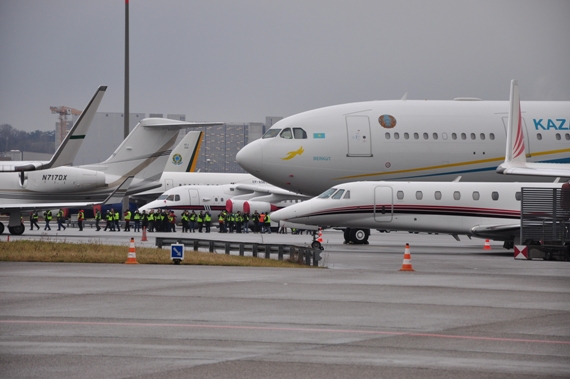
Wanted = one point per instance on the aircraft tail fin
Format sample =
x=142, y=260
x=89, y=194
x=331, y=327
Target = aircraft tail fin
x=144, y=152
x=185, y=155
x=67, y=150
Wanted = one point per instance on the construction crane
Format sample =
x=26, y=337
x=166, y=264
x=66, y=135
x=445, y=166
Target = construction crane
x=61, y=129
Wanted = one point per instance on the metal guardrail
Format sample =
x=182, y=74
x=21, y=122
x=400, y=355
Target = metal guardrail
x=306, y=255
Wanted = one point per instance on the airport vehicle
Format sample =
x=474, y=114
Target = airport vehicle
x=402, y=140
x=515, y=156
x=67, y=150
x=142, y=156
x=488, y=210
x=231, y=197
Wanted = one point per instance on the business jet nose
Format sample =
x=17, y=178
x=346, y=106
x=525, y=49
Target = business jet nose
x=250, y=157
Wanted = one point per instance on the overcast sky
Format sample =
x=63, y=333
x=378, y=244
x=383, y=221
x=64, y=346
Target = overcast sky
x=244, y=60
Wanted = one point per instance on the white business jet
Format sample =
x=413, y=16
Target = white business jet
x=141, y=157
x=515, y=156
x=481, y=209
x=67, y=150
x=402, y=140
x=246, y=198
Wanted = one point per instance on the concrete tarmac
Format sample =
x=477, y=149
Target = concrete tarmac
x=464, y=312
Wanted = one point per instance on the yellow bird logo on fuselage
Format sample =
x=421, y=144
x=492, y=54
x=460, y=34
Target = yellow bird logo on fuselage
x=293, y=154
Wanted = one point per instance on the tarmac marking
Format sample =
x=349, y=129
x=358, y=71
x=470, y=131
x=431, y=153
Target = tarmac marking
x=280, y=329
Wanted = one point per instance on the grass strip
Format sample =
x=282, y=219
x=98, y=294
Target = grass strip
x=96, y=252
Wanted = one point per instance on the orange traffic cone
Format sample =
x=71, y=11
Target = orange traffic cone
x=132, y=257
x=144, y=234
x=407, y=264
x=487, y=245
x=320, y=238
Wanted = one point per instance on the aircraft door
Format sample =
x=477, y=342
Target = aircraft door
x=358, y=135
x=383, y=204
x=168, y=184
x=193, y=196
x=525, y=132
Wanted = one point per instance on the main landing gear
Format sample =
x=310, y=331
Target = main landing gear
x=356, y=236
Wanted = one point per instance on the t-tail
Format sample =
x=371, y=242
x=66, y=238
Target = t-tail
x=144, y=153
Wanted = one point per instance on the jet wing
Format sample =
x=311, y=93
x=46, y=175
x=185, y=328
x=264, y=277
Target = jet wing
x=500, y=232
x=537, y=169
x=67, y=150
x=269, y=193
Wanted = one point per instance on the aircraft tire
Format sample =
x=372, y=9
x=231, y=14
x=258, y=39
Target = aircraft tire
x=359, y=236
x=346, y=235
x=17, y=230
x=1, y=228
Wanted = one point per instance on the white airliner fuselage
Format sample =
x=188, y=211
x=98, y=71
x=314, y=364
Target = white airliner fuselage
x=402, y=140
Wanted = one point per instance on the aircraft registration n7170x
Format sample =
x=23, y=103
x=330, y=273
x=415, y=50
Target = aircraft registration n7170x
x=402, y=140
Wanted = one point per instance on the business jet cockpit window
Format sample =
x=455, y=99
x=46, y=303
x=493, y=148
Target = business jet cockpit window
x=271, y=133
x=338, y=194
x=327, y=193
x=173, y=198
x=286, y=133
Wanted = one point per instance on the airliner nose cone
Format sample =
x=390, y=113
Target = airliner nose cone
x=250, y=157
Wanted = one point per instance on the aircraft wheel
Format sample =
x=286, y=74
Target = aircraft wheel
x=1, y=228
x=316, y=245
x=17, y=230
x=359, y=236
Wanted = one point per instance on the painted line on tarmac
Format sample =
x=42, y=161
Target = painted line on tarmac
x=281, y=329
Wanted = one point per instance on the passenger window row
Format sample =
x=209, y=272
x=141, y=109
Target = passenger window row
x=456, y=195
x=558, y=136
x=444, y=136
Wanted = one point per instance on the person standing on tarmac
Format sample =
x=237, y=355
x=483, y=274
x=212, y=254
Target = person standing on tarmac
x=200, y=221
x=34, y=220
x=47, y=219
x=60, y=219
x=144, y=218
x=267, y=223
x=207, y=221
x=116, y=220
x=97, y=219
x=137, y=217
x=127, y=215
x=80, y=218
x=150, y=219
x=255, y=218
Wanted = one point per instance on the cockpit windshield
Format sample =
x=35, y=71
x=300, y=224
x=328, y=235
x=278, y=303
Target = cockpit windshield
x=327, y=193
x=338, y=194
x=286, y=133
x=162, y=197
x=271, y=133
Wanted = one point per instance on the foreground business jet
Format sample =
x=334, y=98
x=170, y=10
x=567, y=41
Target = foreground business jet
x=402, y=140
x=515, y=156
x=481, y=209
x=140, y=159
x=67, y=150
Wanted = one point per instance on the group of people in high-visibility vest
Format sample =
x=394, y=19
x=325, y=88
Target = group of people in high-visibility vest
x=164, y=221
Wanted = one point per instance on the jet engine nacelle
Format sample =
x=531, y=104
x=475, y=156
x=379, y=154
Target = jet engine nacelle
x=69, y=179
x=247, y=206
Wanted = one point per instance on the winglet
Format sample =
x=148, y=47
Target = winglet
x=67, y=150
x=515, y=137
